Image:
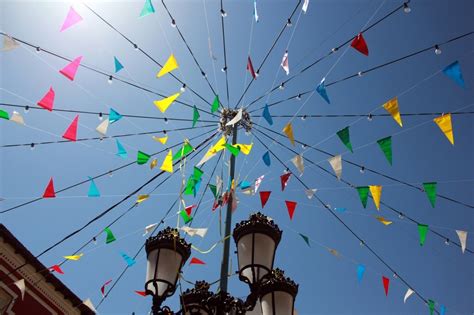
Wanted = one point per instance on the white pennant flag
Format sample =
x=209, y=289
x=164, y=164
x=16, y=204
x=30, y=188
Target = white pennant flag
x=305, y=6
x=194, y=231
x=255, y=10
x=149, y=228
x=205, y=158
x=219, y=184
x=336, y=164
x=284, y=63
x=89, y=304
x=22, y=286
x=102, y=127
x=299, y=163
x=408, y=294
x=310, y=192
x=248, y=191
x=463, y=239
x=236, y=119
x=9, y=43
x=258, y=182
x=16, y=117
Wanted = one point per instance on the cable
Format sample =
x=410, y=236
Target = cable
x=369, y=116
x=223, y=14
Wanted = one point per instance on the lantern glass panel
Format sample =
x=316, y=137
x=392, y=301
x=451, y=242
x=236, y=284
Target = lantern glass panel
x=255, y=249
x=163, y=266
x=277, y=303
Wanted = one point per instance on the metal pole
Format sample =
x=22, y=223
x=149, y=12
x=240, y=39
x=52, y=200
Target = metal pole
x=228, y=222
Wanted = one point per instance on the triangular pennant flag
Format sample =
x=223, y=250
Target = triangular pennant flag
x=305, y=238
x=392, y=107
x=255, y=14
x=56, y=268
x=196, y=261
x=284, y=63
x=93, y=190
x=430, y=189
x=408, y=294
x=462, y=239
x=129, y=260
x=121, y=150
x=141, y=198
x=163, y=104
x=453, y=71
x=49, y=191
x=189, y=209
x=194, y=231
x=118, y=65
x=422, y=231
x=244, y=185
x=305, y=6
x=89, y=304
x=236, y=118
x=150, y=228
x=142, y=158
x=16, y=117
x=4, y=115
x=321, y=89
x=195, y=116
x=336, y=164
x=360, y=45
x=233, y=149
x=258, y=181
x=299, y=163
x=114, y=116
x=245, y=148
x=161, y=140
x=444, y=123
x=266, y=158
x=102, y=288
x=170, y=65
x=334, y=252
x=386, y=283
x=9, y=43
x=431, y=306
x=153, y=163
x=384, y=221
x=310, y=192
x=266, y=114
x=264, y=195
x=376, y=192
x=70, y=70
x=197, y=173
x=47, y=102
x=288, y=130
x=73, y=257
x=147, y=8
x=442, y=310
x=291, y=206
x=185, y=150
x=71, y=131
x=215, y=104
x=110, y=236
x=213, y=188
x=344, y=135
x=142, y=293
x=250, y=67
x=363, y=194
x=340, y=209
x=284, y=180
x=167, y=165
x=385, y=145
x=20, y=284
x=360, y=272
x=72, y=18
x=186, y=217
x=102, y=127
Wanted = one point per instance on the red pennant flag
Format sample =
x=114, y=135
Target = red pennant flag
x=250, y=68
x=264, y=195
x=291, y=206
x=189, y=209
x=71, y=131
x=386, y=283
x=360, y=45
x=70, y=70
x=142, y=293
x=225, y=198
x=57, y=269
x=102, y=289
x=47, y=102
x=284, y=180
x=197, y=261
x=49, y=191
x=215, y=205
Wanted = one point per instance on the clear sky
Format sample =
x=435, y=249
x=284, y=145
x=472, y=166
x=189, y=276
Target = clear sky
x=328, y=284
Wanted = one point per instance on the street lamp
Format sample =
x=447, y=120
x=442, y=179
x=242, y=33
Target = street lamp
x=277, y=295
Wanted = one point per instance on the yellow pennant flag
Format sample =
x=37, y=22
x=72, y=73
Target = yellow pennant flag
x=153, y=164
x=170, y=65
x=444, y=123
x=142, y=198
x=166, y=102
x=220, y=145
x=376, y=192
x=288, y=130
x=245, y=148
x=167, y=165
x=161, y=140
x=384, y=221
x=392, y=107
x=74, y=257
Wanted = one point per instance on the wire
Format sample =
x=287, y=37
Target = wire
x=364, y=115
x=223, y=13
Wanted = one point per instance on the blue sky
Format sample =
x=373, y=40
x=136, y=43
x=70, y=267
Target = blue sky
x=328, y=285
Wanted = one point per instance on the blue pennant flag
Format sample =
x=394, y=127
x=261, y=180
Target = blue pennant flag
x=442, y=310
x=340, y=210
x=196, y=187
x=129, y=260
x=360, y=272
x=93, y=190
x=244, y=185
x=453, y=71
x=266, y=159
x=121, y=150
x=147, y=8
x=114, y=116
x=321, y=89
x=118, y=65
x=267, y=116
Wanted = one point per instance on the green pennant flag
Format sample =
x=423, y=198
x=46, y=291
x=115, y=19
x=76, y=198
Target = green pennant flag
x=142, y=158
x=185, y=150
x=187, y=218
x=110, y=236
x=363, y=194
x=197, y=173
x=430, y=189
x=195, y=116
x=213, y=188
x=4, y=114
x=190, y=184
x=235, y=151
x=147, y=8
x=345, y=137
x=215, y=104
x=305, y=238
x=422, y=230
x=431, y=305
x=386, y=146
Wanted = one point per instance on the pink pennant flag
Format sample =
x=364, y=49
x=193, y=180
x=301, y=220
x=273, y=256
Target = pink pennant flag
x=71, y=131
x=70, y=70
x=47, y=102
x=72, y=18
